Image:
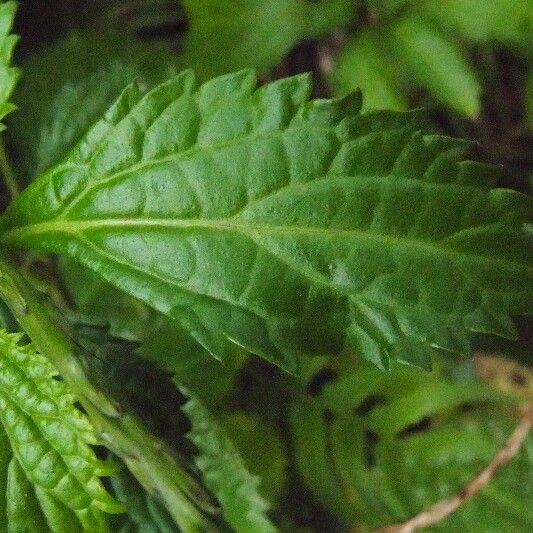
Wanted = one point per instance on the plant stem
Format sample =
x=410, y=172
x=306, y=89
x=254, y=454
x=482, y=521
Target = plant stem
x=149, y=459
x=7, y=171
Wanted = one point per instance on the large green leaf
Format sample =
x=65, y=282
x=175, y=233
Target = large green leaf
x=253, y=33
x=377, y=449
x=9, y=75
x=285, y=225
x=49, y=474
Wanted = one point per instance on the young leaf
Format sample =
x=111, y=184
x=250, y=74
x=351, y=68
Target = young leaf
x=159, y=468
x=285, y=225
x=8, y=75
x=48, y=471
x=225, y=473
x=436, y=63
x=268, y=461
x=364, y=63
x=505, y=21
x=253, y=33
x=379, y=448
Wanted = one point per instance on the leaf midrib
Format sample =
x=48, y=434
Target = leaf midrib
x=252, y=230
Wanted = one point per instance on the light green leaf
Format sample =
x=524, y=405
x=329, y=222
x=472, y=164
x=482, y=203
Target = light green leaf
x=268, y=460
x=158, y=468
x=48, y=471
x=379, y=448
x=284, y=225
x=436, y=63
x=365, y=64
x=505, y=21
x=89, y=67
x=225, y=473
x=253, y=33
x=8, y=75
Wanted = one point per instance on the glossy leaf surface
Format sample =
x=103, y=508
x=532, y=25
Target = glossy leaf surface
x=287, y=226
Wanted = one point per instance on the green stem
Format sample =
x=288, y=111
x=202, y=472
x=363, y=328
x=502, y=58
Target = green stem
x=7, y=171
x=148, y=458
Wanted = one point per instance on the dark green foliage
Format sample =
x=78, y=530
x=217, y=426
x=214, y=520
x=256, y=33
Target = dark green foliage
x=377, y=449
x=177, y=202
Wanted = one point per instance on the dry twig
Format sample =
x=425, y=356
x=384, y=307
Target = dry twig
x=443, y=508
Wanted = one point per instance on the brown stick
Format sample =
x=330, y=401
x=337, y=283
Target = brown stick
x=445, y=507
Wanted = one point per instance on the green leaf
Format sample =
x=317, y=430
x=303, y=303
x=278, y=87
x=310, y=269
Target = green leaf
x=8, y=75
x=364, y=63
x=267, y=461
x=90, y=67
x=172, y=348
x=284, y=225
x=225, y=473
x=98, y=303
x=378, y=448
x=144, y=513
x=48, y=470
x=437, y=64
x=158, y=468
x=253, y=33
x=505, y=21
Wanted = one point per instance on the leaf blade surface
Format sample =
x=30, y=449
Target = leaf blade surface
x=287, y=226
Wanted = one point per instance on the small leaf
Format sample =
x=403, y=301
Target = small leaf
x=8, y=75
x=225, y=473
x=52, y=480
x=437, y=64
x=365, y=64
